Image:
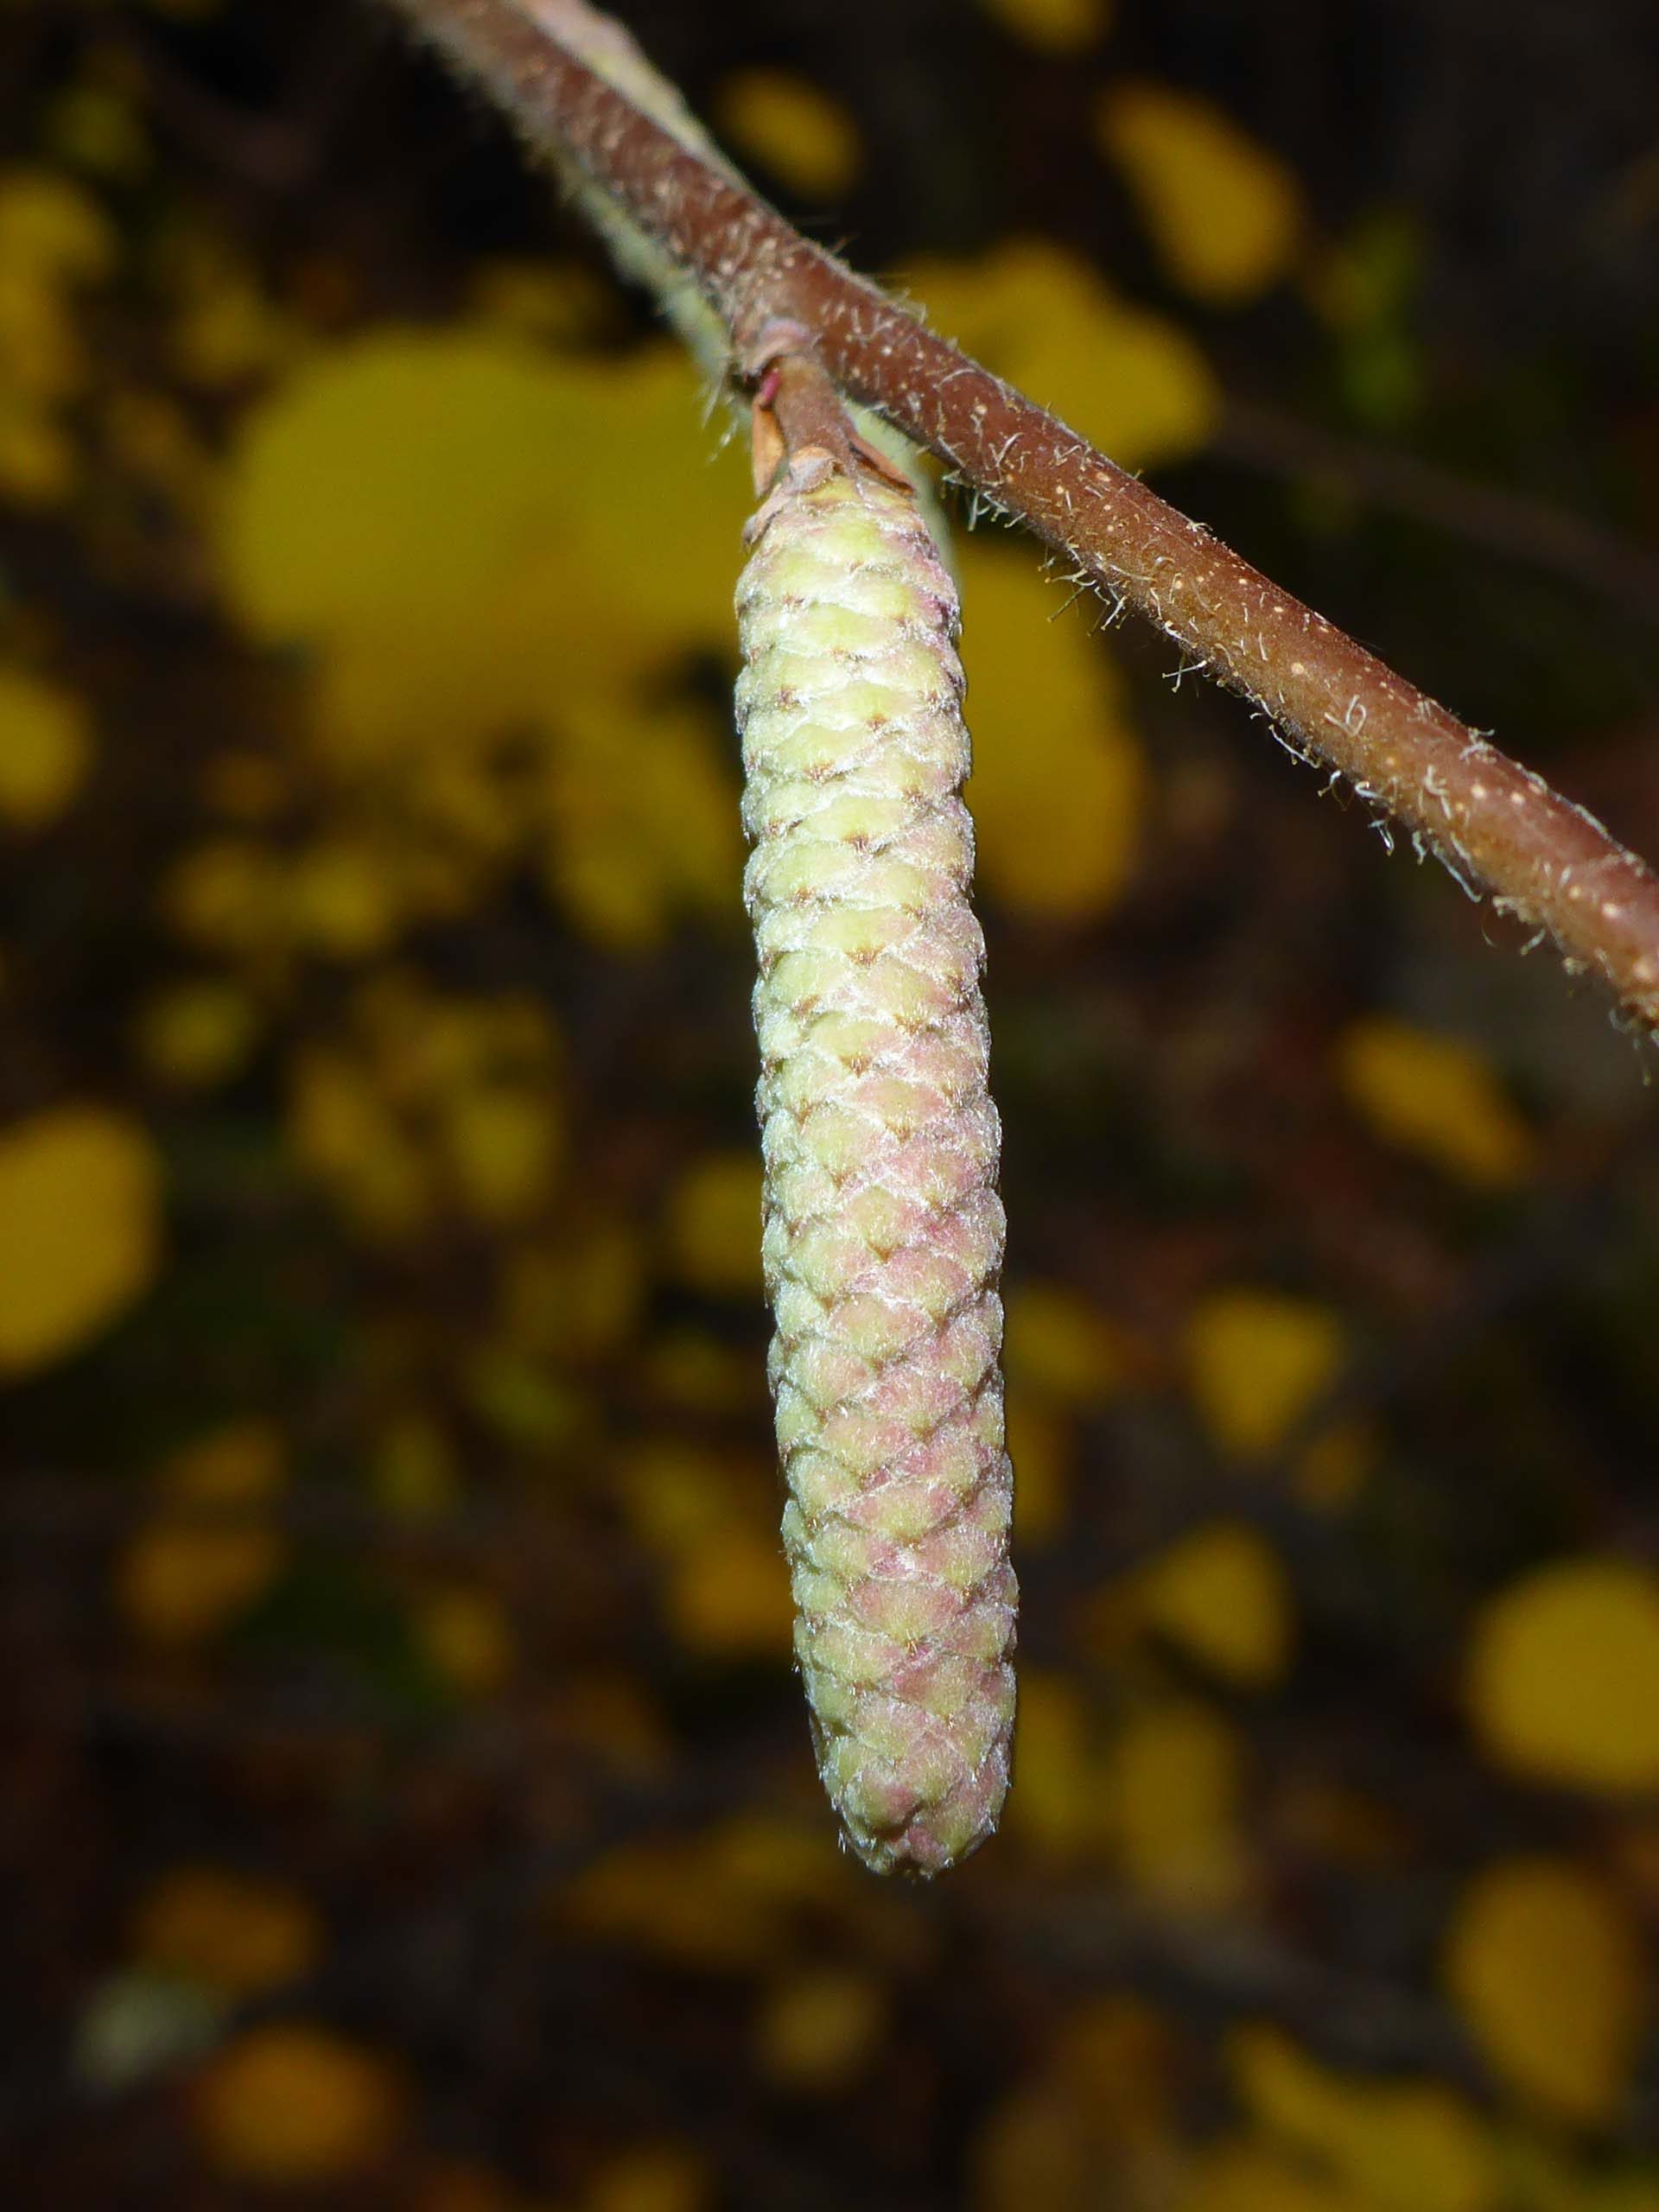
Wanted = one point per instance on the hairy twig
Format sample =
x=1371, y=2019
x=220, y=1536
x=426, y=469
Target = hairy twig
x=553, y=64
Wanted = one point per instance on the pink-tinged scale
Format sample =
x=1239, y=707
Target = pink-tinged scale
x=883, y=1234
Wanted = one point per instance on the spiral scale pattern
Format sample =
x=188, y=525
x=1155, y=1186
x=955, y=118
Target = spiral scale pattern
x=883, y=1230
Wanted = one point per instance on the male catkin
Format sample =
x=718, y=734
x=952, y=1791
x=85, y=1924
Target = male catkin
x=883, y=1231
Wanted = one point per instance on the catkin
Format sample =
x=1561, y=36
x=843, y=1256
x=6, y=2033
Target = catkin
x=883, y=1230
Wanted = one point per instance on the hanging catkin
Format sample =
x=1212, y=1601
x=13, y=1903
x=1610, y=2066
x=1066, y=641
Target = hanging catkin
x=883, y=1230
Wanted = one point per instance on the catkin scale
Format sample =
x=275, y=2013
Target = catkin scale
x=883, y=1233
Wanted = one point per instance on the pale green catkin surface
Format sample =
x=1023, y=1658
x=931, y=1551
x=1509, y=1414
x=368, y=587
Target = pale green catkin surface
x=883, y=1233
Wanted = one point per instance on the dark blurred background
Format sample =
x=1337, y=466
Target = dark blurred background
x=406, y=1800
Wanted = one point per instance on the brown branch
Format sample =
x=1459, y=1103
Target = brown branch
x=1496, y=824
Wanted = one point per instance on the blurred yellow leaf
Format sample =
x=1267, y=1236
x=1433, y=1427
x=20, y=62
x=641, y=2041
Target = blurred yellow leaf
x=227, y=331
x=1223, y=1595
x=1053, y=26
x=52, y=238
x=712, y=1225
x=291, y=2105
x=505, y=1144
x=1058, y=1807
x=97, y=128
x=414, y=1468
x=673, y=1898
x=1333, y=1466
x=1175, y=1790
x=816, y=2031
x=458, y=2185
x=675, y=1493
x=228, y=895
x=1399, y=2146
x=80, y=1226
x=692, y=1370
x=1039, y=314
x=1248, y=2177
x=1225, y=214
x=1055, y=1343
x=655, y=2177
x=1042, y=1450
x=196, y=1034
x=468, y=530
x=644, y=823
x=1093, y=2128
x=341, y=899
x=728, y=1594
x=45, y=749
x=1058, y=788
x=439, y=1103
x=556, y=304
x=341, y=1130
x=1435, y=1097
x=231, y=1932
x=467, y=1639
x=1546, y=1967
x=792, y=127
x=185, y=1577
x=50, y=228
x=1563, y=1680
x=580, y=1298
x=37, y=458
x=1258, y=1361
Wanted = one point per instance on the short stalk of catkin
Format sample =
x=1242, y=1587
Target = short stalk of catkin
x=883, y=1230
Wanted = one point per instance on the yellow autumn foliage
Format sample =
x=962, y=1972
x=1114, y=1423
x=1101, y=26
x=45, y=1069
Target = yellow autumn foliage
x=1222, y=1594
x=291, y=2105
x=793, y=127
x=453, y=521
x=1059, y=1809
x=1249, y=2176
x=45, y=749
x=1057, y=1344
x=1398, y=2146
x=53, y=239
x=231, y=1932
x=712, y=1227
x=1041, y=1445
x=1257, y=1362
x=1563, y=1675
x=189, y=1573
x=578, y=1296
x=432, y=1103
x=80, y=1230
x=643, y=821
x=726, y=1585
x=1546, y=1967
x=727, y=1595
x=817, y=2031
x=467, y=1639
x=1175, y=1788
x=652, y=2178
x=1053, y=26
x=1437, y=1097
x=1225, y=214
x=685, y=1905
x=1129, y=380
x=196, y=1034
x=51, y=229
x=414, y=1468
x=1093, y=2126
x=1058, y=790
